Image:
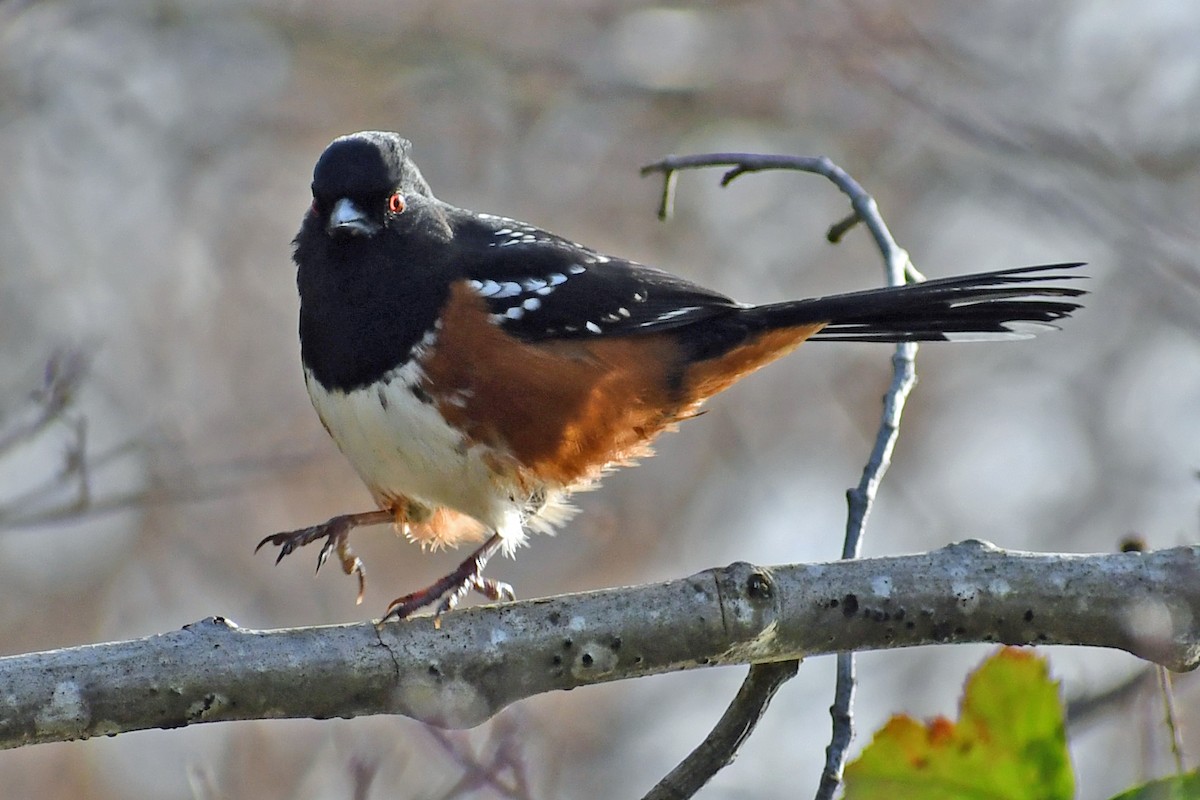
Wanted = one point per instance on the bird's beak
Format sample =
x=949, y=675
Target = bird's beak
x=347, y=219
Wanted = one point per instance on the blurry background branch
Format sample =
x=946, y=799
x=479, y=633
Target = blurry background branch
x=67, y=494
x=481, y=660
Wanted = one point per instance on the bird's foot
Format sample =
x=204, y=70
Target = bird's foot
x=449, y=590
x=336, y=533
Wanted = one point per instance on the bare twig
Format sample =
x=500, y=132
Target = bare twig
x=1172, y=718
x=862, y=203
x=1086, y=709
x=67, y=494
x=861, y=499
x=480, y=770
x=363, y=772
x=721, y=746
x=485, y=658
x=898, y=268
x=41, y=505
x=63, y=375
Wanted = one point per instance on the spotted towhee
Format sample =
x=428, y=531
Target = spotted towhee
x=476, y=370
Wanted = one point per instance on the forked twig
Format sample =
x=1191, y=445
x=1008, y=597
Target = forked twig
x=720, y=747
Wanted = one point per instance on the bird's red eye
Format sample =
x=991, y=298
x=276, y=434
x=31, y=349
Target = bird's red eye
x=396, y=203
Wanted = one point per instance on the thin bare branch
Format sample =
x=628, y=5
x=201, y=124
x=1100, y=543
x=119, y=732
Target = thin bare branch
x=1171, y=717
x=62, y=376
x=743, y=163
x=1084, y=710
x=898, y=268
x=721, y=746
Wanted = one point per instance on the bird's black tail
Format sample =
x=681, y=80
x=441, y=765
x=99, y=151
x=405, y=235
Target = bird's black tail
x=1009, y=304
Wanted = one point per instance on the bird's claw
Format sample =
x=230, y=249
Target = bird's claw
x=449, y=590
x=336, y=533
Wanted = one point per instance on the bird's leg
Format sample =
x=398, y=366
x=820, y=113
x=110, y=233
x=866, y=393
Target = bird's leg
x=336, y=533
x=447, y=591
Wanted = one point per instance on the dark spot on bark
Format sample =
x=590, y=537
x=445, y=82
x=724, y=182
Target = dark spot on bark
x=850, y=605
x=555, y=618
x=1029, y=615
x=586, y=659
x=940, y=631
x=758, y=586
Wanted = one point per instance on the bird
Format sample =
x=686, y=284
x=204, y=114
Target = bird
x=476, y=370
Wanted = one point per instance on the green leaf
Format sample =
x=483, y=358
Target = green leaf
x=1177, y=787
x=1008, y=744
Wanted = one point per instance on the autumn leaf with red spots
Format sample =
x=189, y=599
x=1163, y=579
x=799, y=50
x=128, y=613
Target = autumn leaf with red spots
x=1009, y=742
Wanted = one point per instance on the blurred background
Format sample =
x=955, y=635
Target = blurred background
x=156, y=158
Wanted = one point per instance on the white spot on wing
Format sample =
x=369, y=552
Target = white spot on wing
x=593, y=327
x=577, y=269
x=675, y=312
x=555, y=278
x=532, y=304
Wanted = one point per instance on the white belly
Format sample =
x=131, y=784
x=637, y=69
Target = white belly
x=402, y=447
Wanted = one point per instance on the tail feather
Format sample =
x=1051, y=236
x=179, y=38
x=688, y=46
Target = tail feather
x=1007, y=304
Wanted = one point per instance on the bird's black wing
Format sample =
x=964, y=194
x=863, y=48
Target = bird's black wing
x=539, y=285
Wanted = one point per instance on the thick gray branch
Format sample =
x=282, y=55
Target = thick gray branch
x=482, y=659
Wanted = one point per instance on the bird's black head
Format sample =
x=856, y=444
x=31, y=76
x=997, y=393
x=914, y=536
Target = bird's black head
x=371, y=261
x=364, y=182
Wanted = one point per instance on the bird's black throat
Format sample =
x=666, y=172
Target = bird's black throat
x=364, y=303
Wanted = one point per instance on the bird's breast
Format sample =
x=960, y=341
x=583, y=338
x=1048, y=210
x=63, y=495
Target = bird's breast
x=403, y=448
